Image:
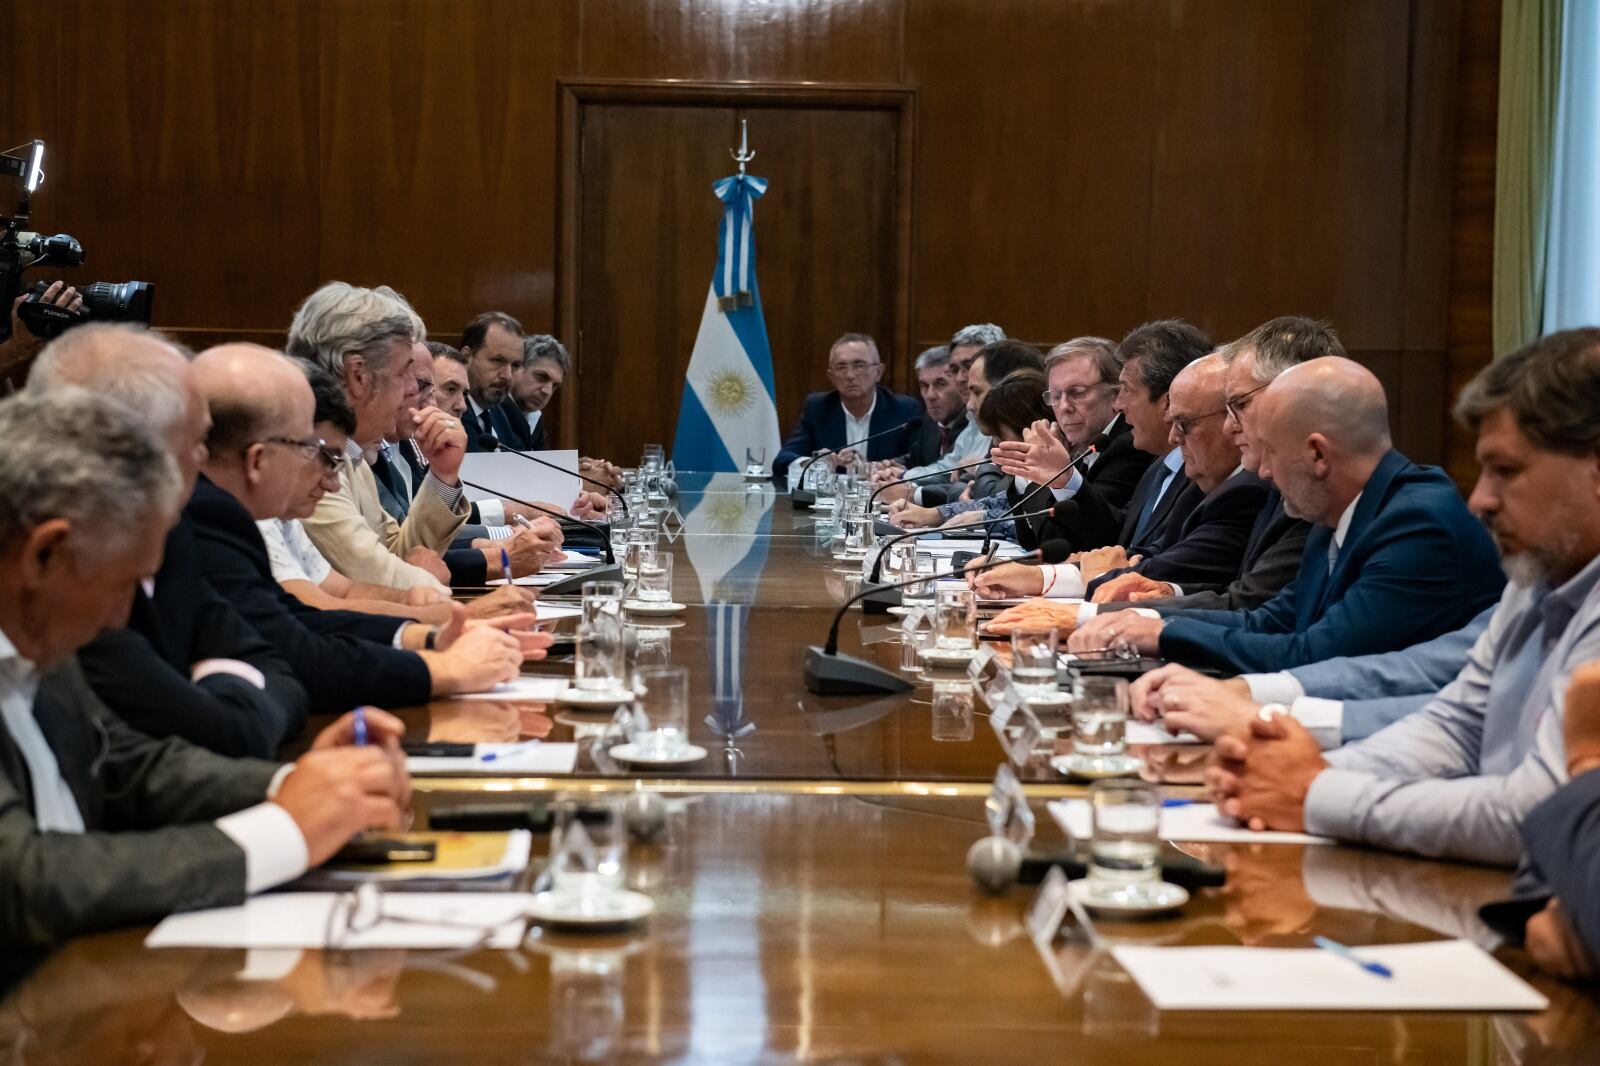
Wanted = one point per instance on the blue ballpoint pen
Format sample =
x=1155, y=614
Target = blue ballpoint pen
x=1180, y=802
x=505, y=565
x=1345, y=952
x=359, y=725
x=515, y=749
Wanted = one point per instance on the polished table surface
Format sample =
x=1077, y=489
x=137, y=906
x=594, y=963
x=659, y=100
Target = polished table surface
x=812, y=899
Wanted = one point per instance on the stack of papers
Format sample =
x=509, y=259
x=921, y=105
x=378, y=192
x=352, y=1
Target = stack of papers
x=305, y=919
x=528, y=757
x=1447, y=975
x=538, y=689
x=1199, y=823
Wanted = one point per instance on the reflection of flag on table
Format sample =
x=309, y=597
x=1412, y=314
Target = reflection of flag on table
x=729, y=399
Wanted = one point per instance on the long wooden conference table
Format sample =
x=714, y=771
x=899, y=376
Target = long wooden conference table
x=811, y=893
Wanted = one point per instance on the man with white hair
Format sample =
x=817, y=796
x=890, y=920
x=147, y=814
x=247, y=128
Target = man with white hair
x=363, y=337
x=101, y=825
x=187, y=664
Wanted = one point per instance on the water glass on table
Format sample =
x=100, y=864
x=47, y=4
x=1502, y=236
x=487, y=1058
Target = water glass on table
x=952, y=711
x=920, y=593
x=755, y=462
x=588, y=846
x=599, y=664
x=654, y=577
x=1126, y=844
x=663, y=723
x=1033, y=661
x=955, y=619
x=1100, y=717
x=642, y=540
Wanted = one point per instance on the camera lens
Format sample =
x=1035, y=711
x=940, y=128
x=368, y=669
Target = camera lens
x=126, y=301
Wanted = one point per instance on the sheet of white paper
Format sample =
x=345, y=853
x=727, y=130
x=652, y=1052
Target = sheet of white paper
x=549, y=612
x=300, y=920
x=1447, y=975
x=571, y=560
x=523, y=758
x=945, y=546
x=508, y=474
x=542, y=689
x=537, y=581
x=1145, y=733
x=1194, y=823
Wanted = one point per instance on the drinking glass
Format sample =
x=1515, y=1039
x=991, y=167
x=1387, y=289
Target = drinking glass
x=755, y=462
x=894, y=561
x=588, y=846
x=826, y=486
x=857, y=534
x=916, y=633
x=956, y=612
x=952, y=711
x=920, y=593
x=655, y=577
x=1033, y=661
x=1126, y=841
x=599, y=665
x=1100, y=717
x=664, y=706
x=642, y=540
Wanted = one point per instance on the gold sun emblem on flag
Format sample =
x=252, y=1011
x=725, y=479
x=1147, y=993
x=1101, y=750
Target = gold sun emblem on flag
x=721, y=514
x=730, y=392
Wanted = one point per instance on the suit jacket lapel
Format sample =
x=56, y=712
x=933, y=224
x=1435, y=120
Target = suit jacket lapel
x=1319, y=580
x=833, y=425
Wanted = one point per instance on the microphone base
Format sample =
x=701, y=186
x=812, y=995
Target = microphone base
x=573, y=586
x=802, y=498
x=880, y=600
x=843, y=675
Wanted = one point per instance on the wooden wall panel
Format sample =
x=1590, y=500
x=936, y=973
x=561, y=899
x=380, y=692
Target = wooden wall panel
x=827, y=41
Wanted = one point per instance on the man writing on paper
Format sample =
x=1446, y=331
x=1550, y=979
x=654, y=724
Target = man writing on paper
x=1396, y=558
x=101, y=825
x=1456, y=779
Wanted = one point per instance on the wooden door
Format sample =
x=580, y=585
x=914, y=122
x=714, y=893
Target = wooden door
x=828, y=241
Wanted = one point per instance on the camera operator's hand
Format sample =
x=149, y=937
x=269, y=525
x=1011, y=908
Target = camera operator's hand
x=443, y=442
x=22, y=345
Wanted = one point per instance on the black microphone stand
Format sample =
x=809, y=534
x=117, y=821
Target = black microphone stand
x=827, y=673
x=1031, y=493
x=567, y=586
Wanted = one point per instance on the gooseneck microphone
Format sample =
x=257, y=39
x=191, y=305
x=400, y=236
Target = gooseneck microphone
x=573, y=585
x=1031, y=493
x=877, y=599
x=924, y=477
x=827, y=673
x=490, y=443
x=803, y=497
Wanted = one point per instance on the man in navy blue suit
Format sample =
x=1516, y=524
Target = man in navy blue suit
x=1395, y=557
x=492, y=344
x=855, y=408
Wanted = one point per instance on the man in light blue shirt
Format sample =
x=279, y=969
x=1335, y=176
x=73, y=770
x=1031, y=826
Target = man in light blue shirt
x=1456, y=779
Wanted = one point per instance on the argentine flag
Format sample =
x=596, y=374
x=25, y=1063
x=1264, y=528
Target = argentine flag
x=728, y=400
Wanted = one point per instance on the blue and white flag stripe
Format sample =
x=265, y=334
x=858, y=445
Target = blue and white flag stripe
x=736, y=271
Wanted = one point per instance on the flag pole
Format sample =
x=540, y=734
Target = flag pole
x=742, y=154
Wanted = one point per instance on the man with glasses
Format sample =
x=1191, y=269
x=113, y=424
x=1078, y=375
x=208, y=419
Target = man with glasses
x=857, y=407
x=187, y=664
x=1084, y=386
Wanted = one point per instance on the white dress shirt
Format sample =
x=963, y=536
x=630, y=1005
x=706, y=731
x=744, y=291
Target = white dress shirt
x=291, y=553
x=1075, y=482
x=857, y=428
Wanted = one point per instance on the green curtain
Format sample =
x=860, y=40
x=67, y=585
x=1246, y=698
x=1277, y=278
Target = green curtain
x=1530, y=70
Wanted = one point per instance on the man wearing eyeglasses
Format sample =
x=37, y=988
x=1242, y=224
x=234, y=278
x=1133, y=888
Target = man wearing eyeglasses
x=187, y=664
x=857, y=407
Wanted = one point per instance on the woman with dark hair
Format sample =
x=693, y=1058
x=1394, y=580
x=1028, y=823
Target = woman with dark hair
x=1013, y=404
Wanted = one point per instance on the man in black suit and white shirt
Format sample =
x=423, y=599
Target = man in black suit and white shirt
x=545, y=366
x=492, y=345
x=101, y=825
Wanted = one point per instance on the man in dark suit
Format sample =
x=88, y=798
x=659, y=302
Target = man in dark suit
x=545, y=366
x=261, y=452
x=946, y=415
x=187, y=664
x=1272, y=555
x=101, y=825
x=492, y=345
x=855, y=408
x=1396, y=557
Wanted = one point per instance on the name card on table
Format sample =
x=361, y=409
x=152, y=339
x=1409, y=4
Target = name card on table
x=1007, y=810
x=1018, y=730
x=983, y=664
x=1049, y=908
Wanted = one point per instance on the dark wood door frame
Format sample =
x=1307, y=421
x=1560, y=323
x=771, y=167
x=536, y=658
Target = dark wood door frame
x=575, y=94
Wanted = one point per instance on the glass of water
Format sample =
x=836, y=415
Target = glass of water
x=588, y=846
x=1033, y=661
x=952, y=711
x=1123, y=853
x=919, y=594
x=755, y=462
x=956, y=615
x=655, y=577
x=1100, y=717
x=857, y=534
x=664, y=709
x=599, y=665
x=642, y=541
x=620, y=528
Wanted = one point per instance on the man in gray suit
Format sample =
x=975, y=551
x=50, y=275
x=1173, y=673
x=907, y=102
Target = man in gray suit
x=101, y=825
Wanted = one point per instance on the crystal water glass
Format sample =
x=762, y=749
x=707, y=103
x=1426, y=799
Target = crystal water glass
x=1126, y=844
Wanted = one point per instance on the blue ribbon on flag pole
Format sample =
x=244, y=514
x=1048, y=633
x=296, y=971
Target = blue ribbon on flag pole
x=735, y=275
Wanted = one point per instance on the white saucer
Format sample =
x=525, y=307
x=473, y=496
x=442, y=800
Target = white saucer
x=1097, y=766
x=613, y=908
x=901, y=611
x=599, y=699
x=822, y=507
x=948, y=656
x=653, y=607
x=1162, y=897
x=630, y=753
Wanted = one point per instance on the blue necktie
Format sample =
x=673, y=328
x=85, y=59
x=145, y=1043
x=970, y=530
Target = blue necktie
x=1149, y=509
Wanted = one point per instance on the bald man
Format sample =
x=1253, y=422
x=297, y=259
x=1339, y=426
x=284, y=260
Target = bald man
x=187, y=664
x=1394, y=558
x=261, y=441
